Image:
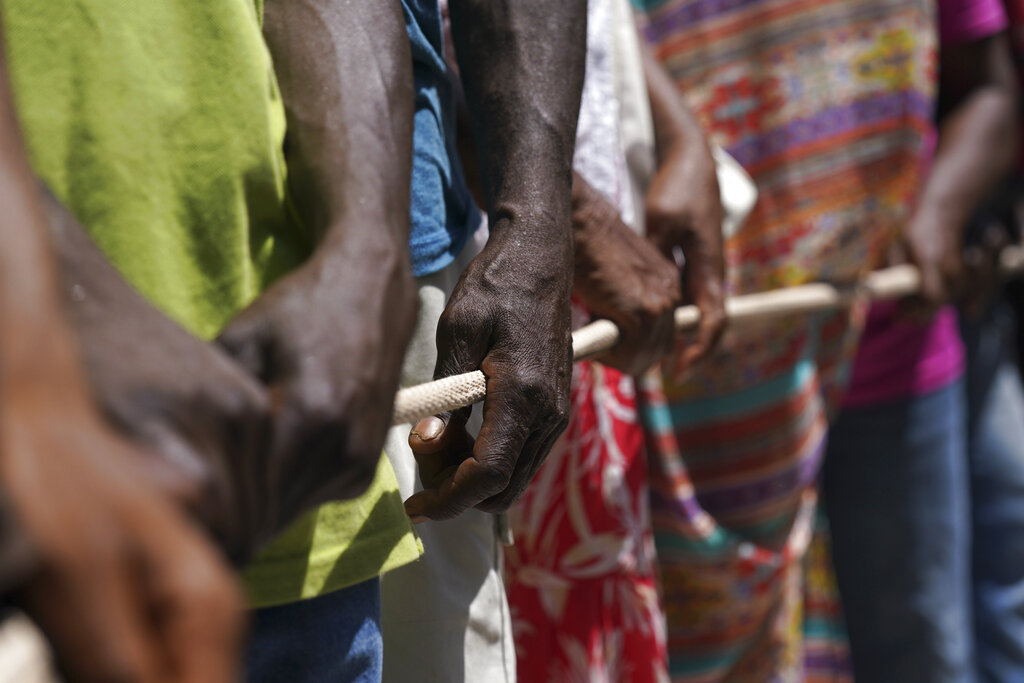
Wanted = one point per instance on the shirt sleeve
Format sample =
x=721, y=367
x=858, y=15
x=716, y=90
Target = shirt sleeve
x=961, y=21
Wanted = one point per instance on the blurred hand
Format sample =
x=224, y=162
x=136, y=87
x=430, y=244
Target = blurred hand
x=981, y=270
x=329, y=340
x=508, y=316
x=622, y=276
x=122, y=585
x=934, y=246
x=185, y=400
x=684, y=212
x=189, y=404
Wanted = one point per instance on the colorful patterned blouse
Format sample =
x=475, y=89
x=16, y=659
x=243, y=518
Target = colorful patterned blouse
x=827, y=104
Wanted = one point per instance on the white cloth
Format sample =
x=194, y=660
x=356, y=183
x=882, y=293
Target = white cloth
x=600, y=157
x=635, y=122
x=445, y=618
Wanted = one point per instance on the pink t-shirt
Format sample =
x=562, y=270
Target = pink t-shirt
x=898, y=358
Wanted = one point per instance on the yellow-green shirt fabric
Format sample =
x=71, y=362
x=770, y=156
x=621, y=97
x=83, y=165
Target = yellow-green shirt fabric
x=160, y=126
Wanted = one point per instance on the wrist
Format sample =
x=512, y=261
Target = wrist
x=593, y=219
x=529, y=262
x=363, y=251
x=940, y=216
x=533, y=226
x=345, y=233
x=932, y=230
x=689, y=152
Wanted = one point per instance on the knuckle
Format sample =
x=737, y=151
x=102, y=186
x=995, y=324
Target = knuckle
x=317, y=410
x=496, y=476
x=197, y=485
x=246, y=404
x=533, y=387
x=202, y=582
x=715, y=319
x=661, y=303
x=462, y=317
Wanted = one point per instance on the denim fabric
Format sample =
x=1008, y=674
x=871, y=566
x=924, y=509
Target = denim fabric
x=334, y=637
x=996, y=462
x=896, y=493
x=442, y=212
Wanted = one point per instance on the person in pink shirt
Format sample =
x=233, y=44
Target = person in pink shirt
x=896, y=480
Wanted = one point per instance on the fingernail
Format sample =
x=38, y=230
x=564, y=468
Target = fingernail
x=419, y=519
x=428, y=429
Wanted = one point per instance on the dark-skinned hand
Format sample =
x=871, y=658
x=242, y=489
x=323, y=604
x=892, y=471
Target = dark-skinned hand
x=934, y=246
x=623, y=277
x=684, y=211
x=509, y=315
x=981, y=270
x=977, y=146
x=328, y=340
x=510, y=318
x=123, y=587
x=183, y=399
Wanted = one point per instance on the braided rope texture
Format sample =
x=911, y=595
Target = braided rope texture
x=412, y=404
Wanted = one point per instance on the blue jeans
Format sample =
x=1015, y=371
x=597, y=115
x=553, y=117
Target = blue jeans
x=896, y=493
x=333, y=638
x=996, y=463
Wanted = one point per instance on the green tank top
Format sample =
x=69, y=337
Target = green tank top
x=160, y=126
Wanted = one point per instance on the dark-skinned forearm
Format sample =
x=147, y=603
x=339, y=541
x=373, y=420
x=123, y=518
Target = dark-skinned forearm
x=978, y=132
x=29, y=308
x=35, y=339
x=204, y=419
x=345, y=74
x=674, y=124
x=522, y=68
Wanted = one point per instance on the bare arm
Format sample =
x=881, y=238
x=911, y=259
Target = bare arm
x=684, y=209
x=202, y=418
x=521, y=64
x=105, y=552
x=978, y=134
x=28, y=303
x=617, y=273
x=329, y=338
x=621, y=276
x=327, y=341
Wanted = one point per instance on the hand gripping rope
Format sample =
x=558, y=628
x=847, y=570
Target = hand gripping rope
x=458, y=391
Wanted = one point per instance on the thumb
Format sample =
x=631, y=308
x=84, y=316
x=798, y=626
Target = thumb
x=439, y=442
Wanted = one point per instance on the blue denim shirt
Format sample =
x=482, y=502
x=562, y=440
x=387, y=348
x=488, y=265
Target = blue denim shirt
x=443, y=213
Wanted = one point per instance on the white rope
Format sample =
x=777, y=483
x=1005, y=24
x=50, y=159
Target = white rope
x=458, y=391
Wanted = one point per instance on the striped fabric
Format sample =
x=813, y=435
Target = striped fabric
x=828, y=105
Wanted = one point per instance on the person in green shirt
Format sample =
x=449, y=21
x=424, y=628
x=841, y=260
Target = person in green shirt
x=161, y=130
x=160, y=133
